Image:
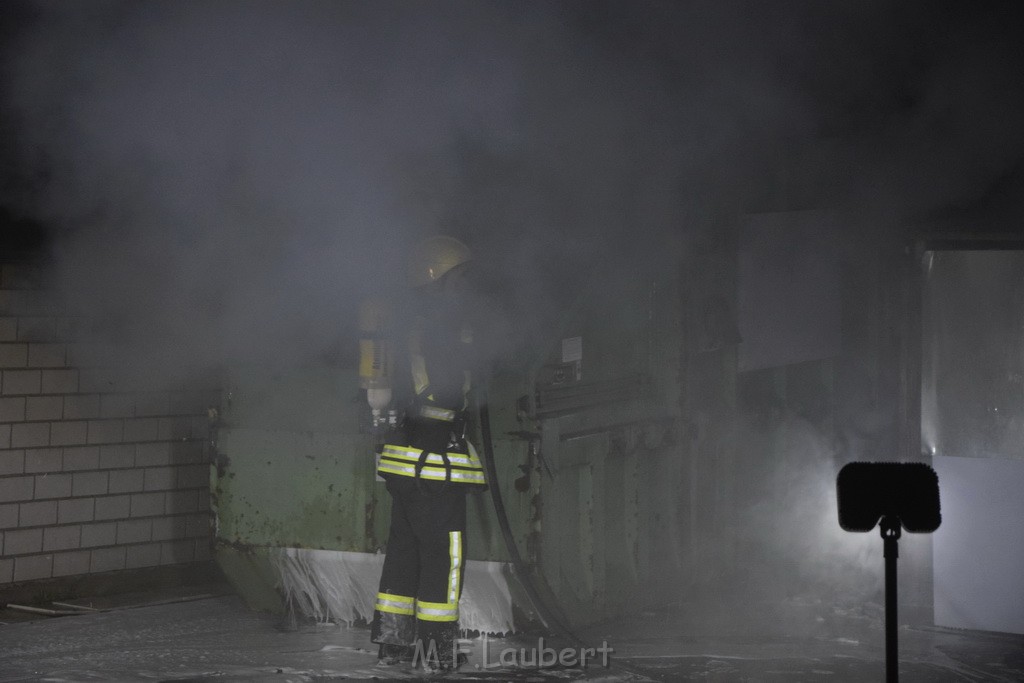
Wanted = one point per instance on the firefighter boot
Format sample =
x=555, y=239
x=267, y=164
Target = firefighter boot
x=396, y=634
x=438, y=648
x=389, y=655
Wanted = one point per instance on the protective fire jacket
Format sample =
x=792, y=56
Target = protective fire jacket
x=434, y=448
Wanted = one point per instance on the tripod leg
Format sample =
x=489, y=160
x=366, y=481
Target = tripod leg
x=890, y=535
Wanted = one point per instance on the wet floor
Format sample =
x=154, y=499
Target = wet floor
x=806, y=641
x=202, y=637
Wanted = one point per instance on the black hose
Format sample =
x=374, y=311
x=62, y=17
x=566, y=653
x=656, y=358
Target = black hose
x=551, y=617
x=547, y=615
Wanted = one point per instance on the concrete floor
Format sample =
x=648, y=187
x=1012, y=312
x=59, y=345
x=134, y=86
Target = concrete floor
x=199, y=635
x=794, y=640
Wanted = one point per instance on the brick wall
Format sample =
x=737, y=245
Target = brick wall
x=95, y=475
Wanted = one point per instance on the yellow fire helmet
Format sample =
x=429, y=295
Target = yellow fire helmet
x=434, y=257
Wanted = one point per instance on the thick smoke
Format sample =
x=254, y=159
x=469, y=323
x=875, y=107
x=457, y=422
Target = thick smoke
x=230, y=178
x=226, y=180
x=221, y=171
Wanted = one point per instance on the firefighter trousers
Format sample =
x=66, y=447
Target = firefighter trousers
x=420, y=585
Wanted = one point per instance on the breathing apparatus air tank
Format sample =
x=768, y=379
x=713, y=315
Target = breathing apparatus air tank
x=375, y=361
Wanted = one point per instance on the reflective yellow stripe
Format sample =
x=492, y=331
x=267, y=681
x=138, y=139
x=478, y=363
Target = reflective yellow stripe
x=465, y=468
x=437, y=611
x=432, y=473
x=455, y=564
x=413, y=455
x=395, y=604
x=435, y=413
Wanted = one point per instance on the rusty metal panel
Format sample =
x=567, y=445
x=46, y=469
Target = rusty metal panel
x=614, y=503
x=292, y=468
x=296, y=489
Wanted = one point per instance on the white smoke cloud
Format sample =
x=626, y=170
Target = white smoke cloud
x=233, y=176
x=226, y=180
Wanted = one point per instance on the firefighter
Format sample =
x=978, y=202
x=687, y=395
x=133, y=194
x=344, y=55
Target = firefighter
x=429, y=467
